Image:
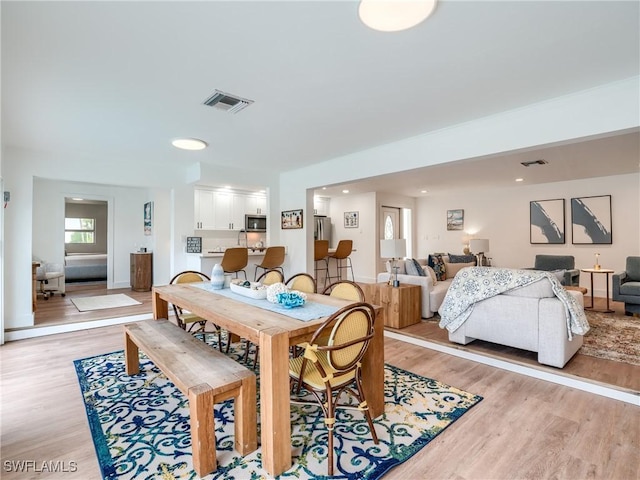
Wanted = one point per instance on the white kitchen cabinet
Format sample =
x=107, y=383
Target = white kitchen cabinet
x=225, y=210
x=256, y=205
x=204, y=211
x=321, y=205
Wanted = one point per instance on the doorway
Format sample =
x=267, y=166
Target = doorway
x=390, y=228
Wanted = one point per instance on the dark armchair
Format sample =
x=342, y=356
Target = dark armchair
x=567, y=263
x=626, y=286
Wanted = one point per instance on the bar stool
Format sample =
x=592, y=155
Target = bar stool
x=342, y=254
x=235, y=260
x=273, y=259
x=320, y=253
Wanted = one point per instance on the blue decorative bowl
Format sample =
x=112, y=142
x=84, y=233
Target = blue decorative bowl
x=290, y=299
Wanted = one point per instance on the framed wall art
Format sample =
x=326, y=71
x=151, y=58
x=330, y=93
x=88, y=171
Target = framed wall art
x=194, y=244
x=455, y=219
x=351, y=219
x=148, y=218
x=291, y=219
x=546, y=221
x=591, y=220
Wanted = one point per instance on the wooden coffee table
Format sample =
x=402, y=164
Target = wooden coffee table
x=401, y=304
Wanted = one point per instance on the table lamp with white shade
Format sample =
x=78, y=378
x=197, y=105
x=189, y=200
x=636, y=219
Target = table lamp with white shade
x=393, y=249
x=479, y=246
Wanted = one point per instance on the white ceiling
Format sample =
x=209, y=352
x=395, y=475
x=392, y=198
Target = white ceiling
x=121, y=79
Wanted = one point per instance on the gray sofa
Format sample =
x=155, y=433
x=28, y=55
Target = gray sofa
x=566, y=264
x=530, y=318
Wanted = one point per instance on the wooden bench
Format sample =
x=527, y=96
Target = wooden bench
x=205, y=376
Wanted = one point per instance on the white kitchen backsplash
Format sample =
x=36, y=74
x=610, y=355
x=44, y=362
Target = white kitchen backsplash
x=220, y=239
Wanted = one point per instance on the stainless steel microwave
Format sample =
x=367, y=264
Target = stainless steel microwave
x=255, y=223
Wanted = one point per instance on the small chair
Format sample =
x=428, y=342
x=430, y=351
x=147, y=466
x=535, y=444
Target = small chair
x=270, y=277
x=302, y=282
x=626, y=286
x=343, y=259
x=267, y=278
x=235, y=260
x=327, y=370
x=273, y=259
x=51, y=278
x=320, y=254
x=345, y=289
x=185, y=318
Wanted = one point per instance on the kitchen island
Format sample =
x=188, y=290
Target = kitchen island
x=204, y=262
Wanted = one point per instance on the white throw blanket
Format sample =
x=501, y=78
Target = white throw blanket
x=473, y=284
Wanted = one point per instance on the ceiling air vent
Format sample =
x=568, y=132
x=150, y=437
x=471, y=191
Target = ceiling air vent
x=227, y=102
x=534, y=162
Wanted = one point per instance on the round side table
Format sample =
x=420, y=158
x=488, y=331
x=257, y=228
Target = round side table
x=607, y=272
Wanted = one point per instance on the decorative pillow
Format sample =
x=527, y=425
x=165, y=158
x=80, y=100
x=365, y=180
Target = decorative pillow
x=429, y=272
x=453, y=268
x=437, y=263
x=413, y=267
x=462, y=258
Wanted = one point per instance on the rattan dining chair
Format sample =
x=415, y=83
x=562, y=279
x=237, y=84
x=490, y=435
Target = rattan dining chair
x=302, y=282
x=273, y=259
x=235, y=260
x=345, y=289
x=270, y=277
x=267, y=278
x=320, y=254
x=328, y=370
x=187, y=320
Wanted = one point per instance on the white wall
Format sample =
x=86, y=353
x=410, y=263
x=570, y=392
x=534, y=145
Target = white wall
x=125, y=216
x=599, y=111
x=365, y=237
x=502, y=216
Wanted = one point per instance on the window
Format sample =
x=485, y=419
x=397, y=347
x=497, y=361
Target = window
x=79, y=230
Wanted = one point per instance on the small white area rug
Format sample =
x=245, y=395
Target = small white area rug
x=100, y=302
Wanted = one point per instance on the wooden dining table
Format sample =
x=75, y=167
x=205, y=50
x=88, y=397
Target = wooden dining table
x=274, y=333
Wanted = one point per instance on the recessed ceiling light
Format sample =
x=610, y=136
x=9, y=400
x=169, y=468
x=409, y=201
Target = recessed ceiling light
x=345, y=191
x=423, y=191
x=394, y=15
x=324, y=188
x=189, y=144
x=519, y=179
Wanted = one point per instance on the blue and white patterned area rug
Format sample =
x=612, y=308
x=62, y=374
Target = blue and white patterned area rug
x=140, y=426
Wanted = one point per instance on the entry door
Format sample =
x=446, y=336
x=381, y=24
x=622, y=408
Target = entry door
x=389, y=228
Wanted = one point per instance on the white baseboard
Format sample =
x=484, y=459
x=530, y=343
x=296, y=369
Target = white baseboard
x=34, y=332
x=615, y=394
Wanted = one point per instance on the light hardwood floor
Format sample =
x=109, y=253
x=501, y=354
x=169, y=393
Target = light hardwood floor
x=60, y=310
x=523, y=429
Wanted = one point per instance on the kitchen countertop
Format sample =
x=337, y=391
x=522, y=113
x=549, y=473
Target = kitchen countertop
x=255, y=252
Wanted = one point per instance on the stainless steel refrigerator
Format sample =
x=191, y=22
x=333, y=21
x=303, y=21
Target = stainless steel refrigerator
x=322, y=228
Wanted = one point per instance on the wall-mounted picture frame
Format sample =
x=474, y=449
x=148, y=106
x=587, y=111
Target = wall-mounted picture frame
x=194, y=244
x=351, y=219
x=291, y=219
x=547, y=221
x=455, y=219
x=148, y=218
x=591, y=220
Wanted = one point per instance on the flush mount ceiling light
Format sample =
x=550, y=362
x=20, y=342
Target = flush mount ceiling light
x=189, y=144
x=393, y=16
